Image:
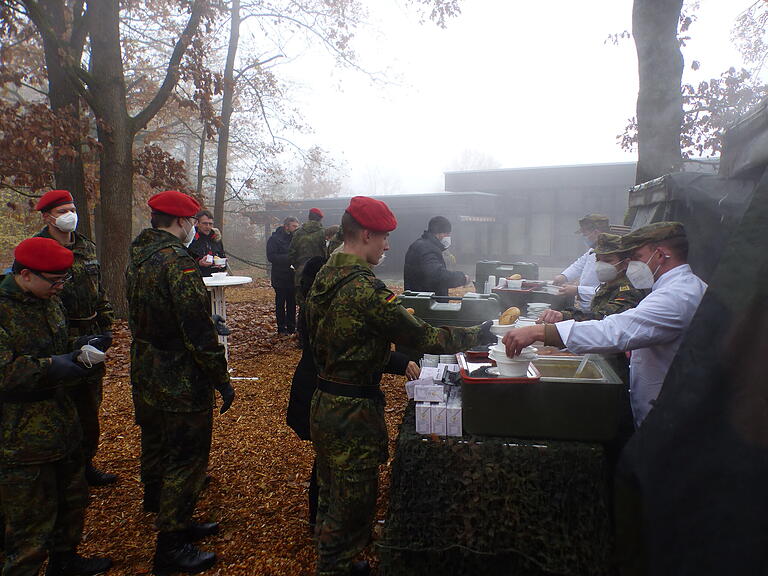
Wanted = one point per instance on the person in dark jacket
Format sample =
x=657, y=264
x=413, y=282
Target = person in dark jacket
x=282, y=275
x=304, y=382
x=207, y=247
x=425, y=269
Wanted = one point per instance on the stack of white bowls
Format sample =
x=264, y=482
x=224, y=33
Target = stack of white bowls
x=516, y=367
x=501, y=329
x=536, y=308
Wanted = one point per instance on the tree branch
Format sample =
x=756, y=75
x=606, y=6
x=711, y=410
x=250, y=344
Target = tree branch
x=172, y=73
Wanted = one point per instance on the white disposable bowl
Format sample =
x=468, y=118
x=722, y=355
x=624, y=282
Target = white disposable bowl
x=539, y=305
x=509, y=367
x=501, y=329
x=514, y=284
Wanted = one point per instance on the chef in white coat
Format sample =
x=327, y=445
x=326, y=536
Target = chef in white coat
x=653, y=331
x=580, y=277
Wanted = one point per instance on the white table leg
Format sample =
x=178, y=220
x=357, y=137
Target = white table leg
x=219, y=306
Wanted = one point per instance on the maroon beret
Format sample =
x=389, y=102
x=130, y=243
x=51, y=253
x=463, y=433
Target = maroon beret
x=43, y=255
x=372, y=214
x=316, y=211
x=174, y=203
x=53, y=198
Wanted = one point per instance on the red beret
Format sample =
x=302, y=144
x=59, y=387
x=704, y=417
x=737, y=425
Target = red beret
x=53, y=198
x=372, y=214
x=174, y=203
x=43, y=255
x=316, y=211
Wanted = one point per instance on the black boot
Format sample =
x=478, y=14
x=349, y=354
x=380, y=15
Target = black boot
x=72, y=564
x=152, y=497
x=175, y=554
x=361, y=568
x=96, y=477
x=199, y=530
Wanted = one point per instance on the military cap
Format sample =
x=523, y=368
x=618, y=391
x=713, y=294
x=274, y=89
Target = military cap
x=593, y=221
x=608, y=244
x=656, y=232
x=316, y=212
x=174, y=203
x=372, y=214
x=43, y=255
x=53, y=198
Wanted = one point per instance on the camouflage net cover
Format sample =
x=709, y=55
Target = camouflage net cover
x=482, y=505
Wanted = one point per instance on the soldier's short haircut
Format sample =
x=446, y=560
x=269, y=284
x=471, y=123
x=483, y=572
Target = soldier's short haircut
x=314, y=216
x=678, y=246
x=289, y=220
x=206, y=213
x=162, y=220
x=439, y=225
x=350, y=227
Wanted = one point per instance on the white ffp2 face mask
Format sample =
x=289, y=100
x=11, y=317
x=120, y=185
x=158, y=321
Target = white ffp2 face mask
x=605, y=271
x=446, y=242
x=90, y=355
x=639, y=273
x=190, y=236
x=67, y=222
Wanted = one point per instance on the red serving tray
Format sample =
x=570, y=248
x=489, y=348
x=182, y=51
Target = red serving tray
x=466, y=367
x=475, y=355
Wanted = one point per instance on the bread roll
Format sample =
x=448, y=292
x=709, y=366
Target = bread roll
x=410, y=311
x=515, y=277
x=510, y=316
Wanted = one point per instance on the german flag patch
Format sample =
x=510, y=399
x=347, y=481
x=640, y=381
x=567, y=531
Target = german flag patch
x=189, y=270
x=391, y=297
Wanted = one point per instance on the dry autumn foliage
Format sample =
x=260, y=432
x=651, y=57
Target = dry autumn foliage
x=259, y=467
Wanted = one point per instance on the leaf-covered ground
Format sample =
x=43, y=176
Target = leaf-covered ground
x=259, y=467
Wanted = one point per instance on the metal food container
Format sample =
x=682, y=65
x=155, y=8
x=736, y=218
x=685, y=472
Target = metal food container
x=592, y=407
x=485, y=268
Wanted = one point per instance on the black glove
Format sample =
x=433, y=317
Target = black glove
x=221, y=328
x=66, y=367
x=485, y=336
x=227, y=394
x=100, y=341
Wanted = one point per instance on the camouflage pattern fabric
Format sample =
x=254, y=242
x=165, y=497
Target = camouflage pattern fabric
x=352, y=319
x=307, y=242
x=176, y=358
x=176, y=362
x=611, y=297
x=336, y=241
x=42, y=482
x=88, y=312
x=174, y=456
x=44, y=508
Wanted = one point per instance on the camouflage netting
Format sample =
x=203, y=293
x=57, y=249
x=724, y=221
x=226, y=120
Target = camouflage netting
x=488, y=506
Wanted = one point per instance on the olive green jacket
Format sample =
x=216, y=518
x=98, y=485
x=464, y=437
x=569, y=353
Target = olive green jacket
x=176, y=358
x=31, y=331
x=307, y=242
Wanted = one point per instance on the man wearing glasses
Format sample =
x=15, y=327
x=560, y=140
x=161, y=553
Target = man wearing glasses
x=176, y=364
x=43, y=492
x=89, y=313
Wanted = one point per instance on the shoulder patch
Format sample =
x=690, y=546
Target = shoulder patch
x=391, y=297
x=624, y=288
x=191, y=270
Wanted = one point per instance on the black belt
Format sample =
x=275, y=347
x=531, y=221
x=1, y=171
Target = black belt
x=21, y=397
x=349, y=390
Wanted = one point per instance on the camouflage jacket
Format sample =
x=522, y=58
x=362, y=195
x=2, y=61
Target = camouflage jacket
x=307, y=242
x=176, y=358
x=31, y=331
x=84, y=298
x=611, y=297
x=352, y=325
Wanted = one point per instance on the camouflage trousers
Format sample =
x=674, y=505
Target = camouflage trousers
x=44, y=507
x=87, y=396
x=174, y=455
x=350, y=441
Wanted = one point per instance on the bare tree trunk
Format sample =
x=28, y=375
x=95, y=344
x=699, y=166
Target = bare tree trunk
x=107, y=84
x=64, y=98
x=201, y=161
x=659, y=99
x=226, y=115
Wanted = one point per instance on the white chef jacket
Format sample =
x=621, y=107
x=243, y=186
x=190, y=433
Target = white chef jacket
x=583, y=270
x=654, y=331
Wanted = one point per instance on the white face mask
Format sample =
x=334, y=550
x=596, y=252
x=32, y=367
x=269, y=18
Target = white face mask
x=67, y=222
x=639, y=273
x=446, y=242
x=190, y=236
x=383, y=257
x=90, y=355
x=605, y=271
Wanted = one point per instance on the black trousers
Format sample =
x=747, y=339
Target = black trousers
x=285, y=308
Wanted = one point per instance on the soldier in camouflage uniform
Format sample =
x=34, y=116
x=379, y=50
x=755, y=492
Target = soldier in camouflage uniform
x=88, y=313
x=352, y=319
x=43, y=493
x=176, y=364
x=307, y=242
